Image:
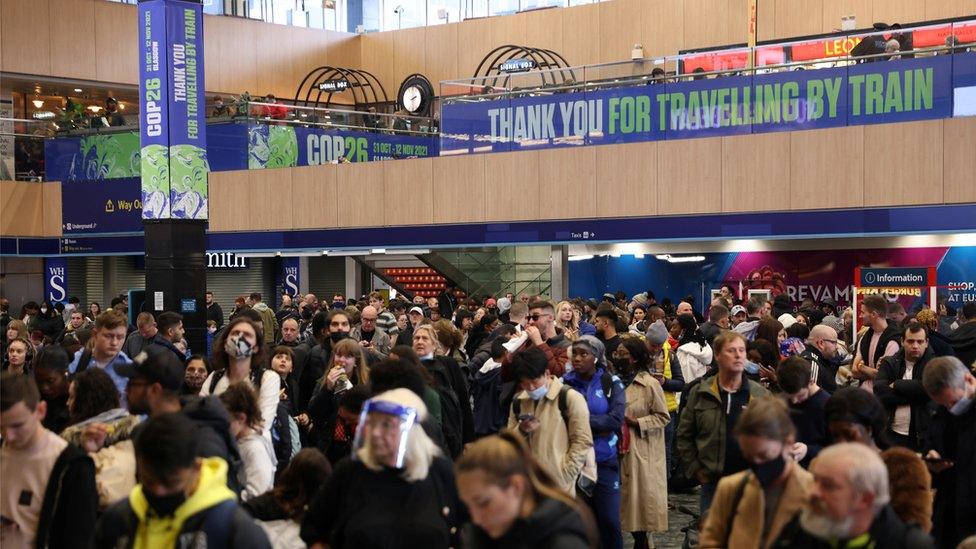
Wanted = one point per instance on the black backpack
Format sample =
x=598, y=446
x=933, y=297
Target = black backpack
x=281, y=431
x=606, y=381
x=451, y=415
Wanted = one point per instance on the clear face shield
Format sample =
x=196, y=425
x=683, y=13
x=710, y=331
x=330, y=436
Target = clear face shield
x=383, y=431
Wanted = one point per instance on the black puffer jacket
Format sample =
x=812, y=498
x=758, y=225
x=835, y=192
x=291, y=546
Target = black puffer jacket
x=553, y=524
x=964, y=343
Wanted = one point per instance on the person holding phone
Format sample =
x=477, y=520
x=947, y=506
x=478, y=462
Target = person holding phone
x=554, y=420
x=375, y=343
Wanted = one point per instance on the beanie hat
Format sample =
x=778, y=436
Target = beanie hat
x=640, y=299
x=504, y=304
x=787, y=320
x=657, y=334
x=595, y=346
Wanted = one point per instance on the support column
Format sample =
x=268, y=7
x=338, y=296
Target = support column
x=353, y=278
x=303, y=275
x=174, y=167
x=559, y=260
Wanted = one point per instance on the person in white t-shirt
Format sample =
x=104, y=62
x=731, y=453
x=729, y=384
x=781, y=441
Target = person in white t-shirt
x=237, y=356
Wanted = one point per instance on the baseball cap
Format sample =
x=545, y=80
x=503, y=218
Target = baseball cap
x=490, y=302
x=155, y=364
x=417, y=310
x=738, y=309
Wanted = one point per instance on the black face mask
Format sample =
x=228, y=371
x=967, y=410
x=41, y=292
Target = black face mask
x=164, y=506
x=336, y=337
x=766, y=473
x=623, y=368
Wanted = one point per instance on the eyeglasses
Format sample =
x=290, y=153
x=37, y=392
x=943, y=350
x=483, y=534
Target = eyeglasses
x=537, y=316
x=834, y=341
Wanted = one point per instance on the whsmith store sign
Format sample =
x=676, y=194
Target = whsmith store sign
x=867, y=93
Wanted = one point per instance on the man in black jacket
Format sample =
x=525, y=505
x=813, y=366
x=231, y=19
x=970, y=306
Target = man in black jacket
x=964, y=338
x=214, y=312
x=950, y=449
x=47, y=496
x=821, y=348
x=898, y=386
x=182, y=500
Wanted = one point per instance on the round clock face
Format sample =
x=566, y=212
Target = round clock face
x=412, y=99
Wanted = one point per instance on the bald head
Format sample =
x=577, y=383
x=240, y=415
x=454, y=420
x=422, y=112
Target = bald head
x=684, y=308
x=824, y=338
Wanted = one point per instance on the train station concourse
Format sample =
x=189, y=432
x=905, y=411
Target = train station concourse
x=488, y=273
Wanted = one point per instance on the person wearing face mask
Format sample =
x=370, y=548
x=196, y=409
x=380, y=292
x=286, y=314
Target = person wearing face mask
x=196, y=373
x=643, y=467
x=708, y=417
x=950, y=449
x=182, y=500
x=554, y=419
x=49, y=321
x=751, y=507
x=240, y=354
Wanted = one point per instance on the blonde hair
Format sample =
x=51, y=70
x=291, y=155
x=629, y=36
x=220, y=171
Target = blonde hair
x=432, y=333
x=420, y=452
x=574, y=323
x=351, y=347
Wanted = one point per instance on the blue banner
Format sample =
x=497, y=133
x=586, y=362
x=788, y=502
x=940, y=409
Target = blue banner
x=867, y=93
x=93, y=207
x=287, y=280
x=272, y=146
x=55, y=279
x=172, y=106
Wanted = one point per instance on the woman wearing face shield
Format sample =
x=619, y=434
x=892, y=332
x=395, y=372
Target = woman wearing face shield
x=396, y=491
x=750, y=508
x=239, y=355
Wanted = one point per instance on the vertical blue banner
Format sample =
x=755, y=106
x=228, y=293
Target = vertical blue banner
x=173, y=135
x=288, y=280
x=56, y=279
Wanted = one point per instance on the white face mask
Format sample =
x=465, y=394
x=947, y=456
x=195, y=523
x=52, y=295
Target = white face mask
x=961, y=406
x=238, y=348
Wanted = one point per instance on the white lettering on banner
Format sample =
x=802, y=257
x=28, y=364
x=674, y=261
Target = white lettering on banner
x=291, y=281
x=536, y=122
x=818, y=293
x=56, y=280
x=225, y=260
x=179, y=72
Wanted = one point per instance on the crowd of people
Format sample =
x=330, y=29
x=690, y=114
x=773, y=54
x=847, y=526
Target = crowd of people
x=505, y=421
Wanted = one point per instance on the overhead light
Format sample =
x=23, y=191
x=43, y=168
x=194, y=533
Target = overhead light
x=378, y=251
x=580, y=257
x=121, y=106
x=94, y=108
x=38, y=103
x=683, y=259
x=408, y=251
x=78, y=90
x=638, y=256
x=258, y=254
x=346, y=253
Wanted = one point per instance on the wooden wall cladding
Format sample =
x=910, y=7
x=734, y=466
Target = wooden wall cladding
x=96, y=40
x=30, y=208
x=916, y=163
